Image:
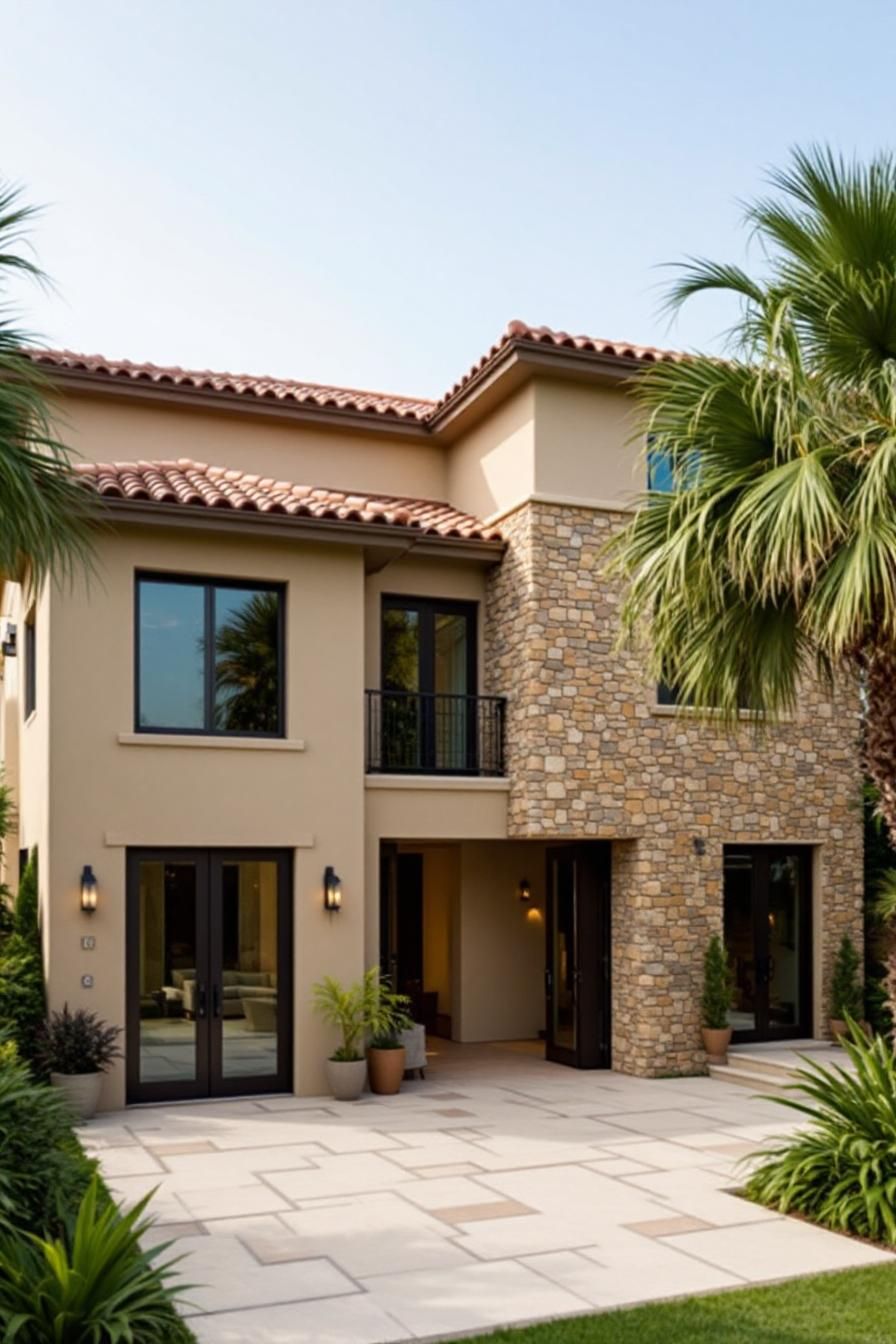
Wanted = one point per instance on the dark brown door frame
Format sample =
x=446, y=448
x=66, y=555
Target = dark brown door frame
x=762, y=858
x=591, y=953
x=209, y=1080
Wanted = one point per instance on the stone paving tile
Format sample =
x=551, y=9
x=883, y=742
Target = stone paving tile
x=348, y=1320
x=779, y=1249
x=229, y=1278
x=501, y=1189
x=443, y=1302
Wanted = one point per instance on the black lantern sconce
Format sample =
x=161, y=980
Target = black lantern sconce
x=88, y=890
x=332, y=891
x=699, y=846
x=524, y=890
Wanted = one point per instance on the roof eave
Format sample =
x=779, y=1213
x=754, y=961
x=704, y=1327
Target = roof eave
x=91, y=383
x=379, y=536
x=516, y=362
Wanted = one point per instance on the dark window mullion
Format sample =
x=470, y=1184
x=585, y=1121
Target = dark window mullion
x=209, y=658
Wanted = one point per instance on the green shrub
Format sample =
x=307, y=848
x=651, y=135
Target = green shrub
x=841, y=1171
x=23, y=999
x=43, y=1169
x=847, y=995
x=717, y=986
x=92, y=1285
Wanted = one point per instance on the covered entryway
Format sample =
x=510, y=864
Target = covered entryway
x=209, y=973
x=502, y=941
x=768, y=937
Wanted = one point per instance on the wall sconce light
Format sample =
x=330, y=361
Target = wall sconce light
x=699, y=846
x=332, y=890
x=524, y=890
x=9, y=642
x=88, y=890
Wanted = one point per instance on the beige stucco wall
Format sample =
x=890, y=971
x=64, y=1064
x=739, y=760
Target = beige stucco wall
x=492, y=467
x=583, y=443
x=105, y=796
x=104, y=429
x=501, y=943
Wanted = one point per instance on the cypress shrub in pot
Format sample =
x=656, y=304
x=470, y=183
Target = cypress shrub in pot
x=716, y=1002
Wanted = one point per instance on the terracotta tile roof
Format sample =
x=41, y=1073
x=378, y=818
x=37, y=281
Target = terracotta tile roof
x=196, y=485
x=517, y=332
x=242, y=384
x=416, y=410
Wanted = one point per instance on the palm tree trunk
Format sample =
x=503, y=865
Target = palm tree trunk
x=880, y=732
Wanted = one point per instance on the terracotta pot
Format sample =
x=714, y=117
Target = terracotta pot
x=81, y=1091
x=346, y=1078
x=716, y=1041
x=386, y=1070
x=838, y=1028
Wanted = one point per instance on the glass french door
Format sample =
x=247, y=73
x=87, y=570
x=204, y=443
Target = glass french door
x=209, y=973
x=768, y=937
x=577, y=973
x=428, y=685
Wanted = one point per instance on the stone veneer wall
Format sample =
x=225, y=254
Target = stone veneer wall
x=589, y=757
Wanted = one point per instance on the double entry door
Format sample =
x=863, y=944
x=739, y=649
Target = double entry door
x=768, y=938
x=577, y=974
x=209, y=973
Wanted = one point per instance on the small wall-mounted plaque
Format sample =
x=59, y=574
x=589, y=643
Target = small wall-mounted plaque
x=87, y=982
x=88, y=942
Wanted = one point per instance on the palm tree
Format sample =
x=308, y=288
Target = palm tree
x=774, y=558
x=43, y=507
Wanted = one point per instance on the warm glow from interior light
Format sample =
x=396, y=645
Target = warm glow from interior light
x=534, y=915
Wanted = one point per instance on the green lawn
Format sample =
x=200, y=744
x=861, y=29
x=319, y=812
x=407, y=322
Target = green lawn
x=857, y=1306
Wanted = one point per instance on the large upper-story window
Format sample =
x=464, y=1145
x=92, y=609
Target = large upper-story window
x=209, y=656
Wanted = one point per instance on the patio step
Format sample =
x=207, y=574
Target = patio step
x=760, y=1082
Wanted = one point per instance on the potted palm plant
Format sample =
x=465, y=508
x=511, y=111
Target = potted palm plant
x=76, y=1049
x=386, y=1053
x=847, y=995
x=716, y=1002
x=350, y=1009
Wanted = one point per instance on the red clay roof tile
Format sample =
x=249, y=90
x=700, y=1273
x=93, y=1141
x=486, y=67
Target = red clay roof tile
x=196, y=485
x=263, y=387
x=320, y=396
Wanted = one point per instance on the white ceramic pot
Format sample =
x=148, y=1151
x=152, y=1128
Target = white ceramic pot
x=346, y=1078
x=81, y=1091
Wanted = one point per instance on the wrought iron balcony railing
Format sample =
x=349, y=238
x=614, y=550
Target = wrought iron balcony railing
x=428, y=733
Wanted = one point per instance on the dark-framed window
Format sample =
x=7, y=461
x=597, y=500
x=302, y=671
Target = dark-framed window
x=30, y=651
x=429, y=645
x=209, y=656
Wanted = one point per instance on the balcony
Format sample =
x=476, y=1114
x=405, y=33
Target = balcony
x=430, y=733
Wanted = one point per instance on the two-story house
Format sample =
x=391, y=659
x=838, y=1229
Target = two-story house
x=345, y=688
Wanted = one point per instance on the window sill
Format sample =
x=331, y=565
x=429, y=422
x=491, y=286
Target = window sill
x=691, y=712
x=456, y=783
x=218, y=743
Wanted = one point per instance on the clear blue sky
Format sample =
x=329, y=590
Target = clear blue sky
x=365, y=191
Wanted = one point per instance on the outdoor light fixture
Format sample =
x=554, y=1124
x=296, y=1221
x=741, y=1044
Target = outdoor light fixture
x=699, y=846
x=88, y=890
x=524, y=890
x=9, y=642
x=332, y=890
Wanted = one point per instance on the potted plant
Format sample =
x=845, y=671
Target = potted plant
x=76, y=1049
x=349, y=1008
x=716, y=1002
x=386, y=1053
x=847, y=995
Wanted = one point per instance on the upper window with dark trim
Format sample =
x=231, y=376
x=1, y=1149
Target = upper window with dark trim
x=209, y=656
x=429, y=646
x=30, y=651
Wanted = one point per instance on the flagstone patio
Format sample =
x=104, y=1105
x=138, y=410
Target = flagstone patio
x=500, y=1190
